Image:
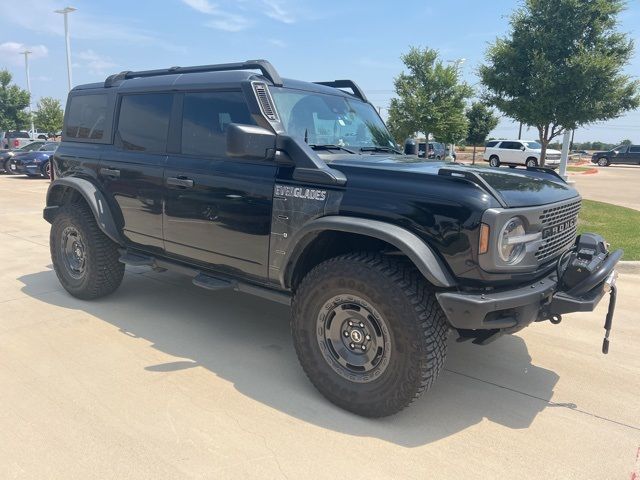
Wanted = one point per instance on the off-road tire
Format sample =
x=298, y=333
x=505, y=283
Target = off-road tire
x=103, y=272
x=494, y=161
x=416, y=326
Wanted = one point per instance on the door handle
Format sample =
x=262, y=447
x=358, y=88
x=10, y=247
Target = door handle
x=110, y=172
x=183, y=182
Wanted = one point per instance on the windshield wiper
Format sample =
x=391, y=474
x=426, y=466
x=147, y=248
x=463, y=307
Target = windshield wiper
x=380, y=149
x=329, y=147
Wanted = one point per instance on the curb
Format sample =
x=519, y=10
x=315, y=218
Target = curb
x=632, y=267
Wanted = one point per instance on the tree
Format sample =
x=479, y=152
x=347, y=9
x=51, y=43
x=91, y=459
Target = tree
x=626, y=142
x=431, y=99
x=13, y=101
x=48, y=117
x=481, y=122
x=561, y=66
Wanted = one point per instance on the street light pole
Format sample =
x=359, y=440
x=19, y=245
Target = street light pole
x=458, y=65
x=65, y=11
x=26, y=67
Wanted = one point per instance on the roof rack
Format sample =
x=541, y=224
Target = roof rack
x=263, y=65
x=357, y=91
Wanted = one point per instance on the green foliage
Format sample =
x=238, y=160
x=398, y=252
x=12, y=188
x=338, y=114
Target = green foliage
x=13, y=101
x=626, y=142
x=481, y=121
x=561, y=66
x=49, y=115
x=431, y=99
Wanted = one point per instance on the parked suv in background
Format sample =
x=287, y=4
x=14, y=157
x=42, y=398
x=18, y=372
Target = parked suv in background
x=295, y=192
x=519, y=152
x=623, y=154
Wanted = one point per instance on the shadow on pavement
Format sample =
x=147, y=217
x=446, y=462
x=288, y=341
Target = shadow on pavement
x=246, y=340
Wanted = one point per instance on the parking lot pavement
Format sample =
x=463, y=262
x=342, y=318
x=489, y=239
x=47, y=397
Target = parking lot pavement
x=165, y=380
x=617, y=184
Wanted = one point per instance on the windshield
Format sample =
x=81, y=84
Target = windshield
x=533, y=145
x=322, y=119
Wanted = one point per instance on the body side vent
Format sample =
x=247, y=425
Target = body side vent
x=265, y=101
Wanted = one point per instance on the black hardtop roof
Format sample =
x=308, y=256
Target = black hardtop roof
x=207, y=76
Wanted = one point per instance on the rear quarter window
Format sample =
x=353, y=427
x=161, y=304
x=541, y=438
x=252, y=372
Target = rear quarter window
x=86, y=118
x=635, y=149
x=491, y=144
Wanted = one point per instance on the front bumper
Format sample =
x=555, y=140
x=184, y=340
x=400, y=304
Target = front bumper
x=511, y=310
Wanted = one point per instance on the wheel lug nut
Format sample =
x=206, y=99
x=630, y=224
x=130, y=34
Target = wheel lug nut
x=346, y=334
x=352, y=345
x=368, y=337
x=363, y=347
x=351, y=324
x=361, y=324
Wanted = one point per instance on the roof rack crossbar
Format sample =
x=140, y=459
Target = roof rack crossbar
x=263, y=65
x=357, y=91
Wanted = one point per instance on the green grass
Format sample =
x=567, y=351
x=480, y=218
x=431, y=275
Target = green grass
x=620, y=226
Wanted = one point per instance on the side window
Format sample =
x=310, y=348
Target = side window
x=622, y=149
x=634, y=149
x=511, y=145
x=491, y=144
x=143, y=122
x=86, y=117
x=205, y=117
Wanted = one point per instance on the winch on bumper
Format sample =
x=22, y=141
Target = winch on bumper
x=584, y=275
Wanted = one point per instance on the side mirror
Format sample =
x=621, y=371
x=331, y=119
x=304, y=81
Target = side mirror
x=523, y=148
x=615, y=152
x=250, y=142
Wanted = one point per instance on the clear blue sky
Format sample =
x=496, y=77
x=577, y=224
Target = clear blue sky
x=308, y=40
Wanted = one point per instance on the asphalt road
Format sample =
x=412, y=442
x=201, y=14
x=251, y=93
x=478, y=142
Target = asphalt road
x=617, y=184
x=165, y=380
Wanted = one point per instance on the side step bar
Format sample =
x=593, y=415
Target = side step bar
x=202, y=279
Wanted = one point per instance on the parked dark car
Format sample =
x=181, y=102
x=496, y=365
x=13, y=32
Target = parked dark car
x=35, y=163
x=622, y=154
x=294, y=191
x=6, y=155
x=434, y=150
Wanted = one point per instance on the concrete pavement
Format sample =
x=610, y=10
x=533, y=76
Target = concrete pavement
x=165, y=380
x=617, y=184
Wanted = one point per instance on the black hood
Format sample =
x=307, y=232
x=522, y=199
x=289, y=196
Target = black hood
x=515, y=187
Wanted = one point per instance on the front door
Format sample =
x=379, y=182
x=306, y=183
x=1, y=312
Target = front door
x=132, y=171
x=217, y=209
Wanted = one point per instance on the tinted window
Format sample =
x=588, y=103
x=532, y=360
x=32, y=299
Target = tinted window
x=634, y=149
x=511, y=145
x=491, y=144
x=86, y=117
x=621, y=149
x=144, y=121
x=205, y=119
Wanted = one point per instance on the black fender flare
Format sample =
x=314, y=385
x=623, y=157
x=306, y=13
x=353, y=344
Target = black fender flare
x=418, y=251
x=94, y=198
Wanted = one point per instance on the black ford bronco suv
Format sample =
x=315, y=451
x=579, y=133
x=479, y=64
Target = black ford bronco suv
x=295, y=192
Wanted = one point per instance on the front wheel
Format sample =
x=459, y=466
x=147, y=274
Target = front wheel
x=84, y=259
x=46, y=170
x=368, y=333
x=603, y=162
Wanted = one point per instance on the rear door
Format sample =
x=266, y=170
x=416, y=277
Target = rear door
x=634, y=154
x=131, y=171
x=217, y=209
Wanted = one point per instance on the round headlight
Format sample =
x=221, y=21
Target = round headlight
x=509, y=250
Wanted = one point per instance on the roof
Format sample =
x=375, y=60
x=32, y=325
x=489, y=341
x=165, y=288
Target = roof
x=186, y=81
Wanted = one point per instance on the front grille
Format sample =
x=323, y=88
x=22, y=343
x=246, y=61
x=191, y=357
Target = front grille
x=562, y=223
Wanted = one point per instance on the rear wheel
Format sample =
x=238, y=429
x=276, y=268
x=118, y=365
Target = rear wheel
x=368, y=332
x=46, y=170
x=494, y=161
x=84, y=259
x=603, y=162
x=531, y=162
